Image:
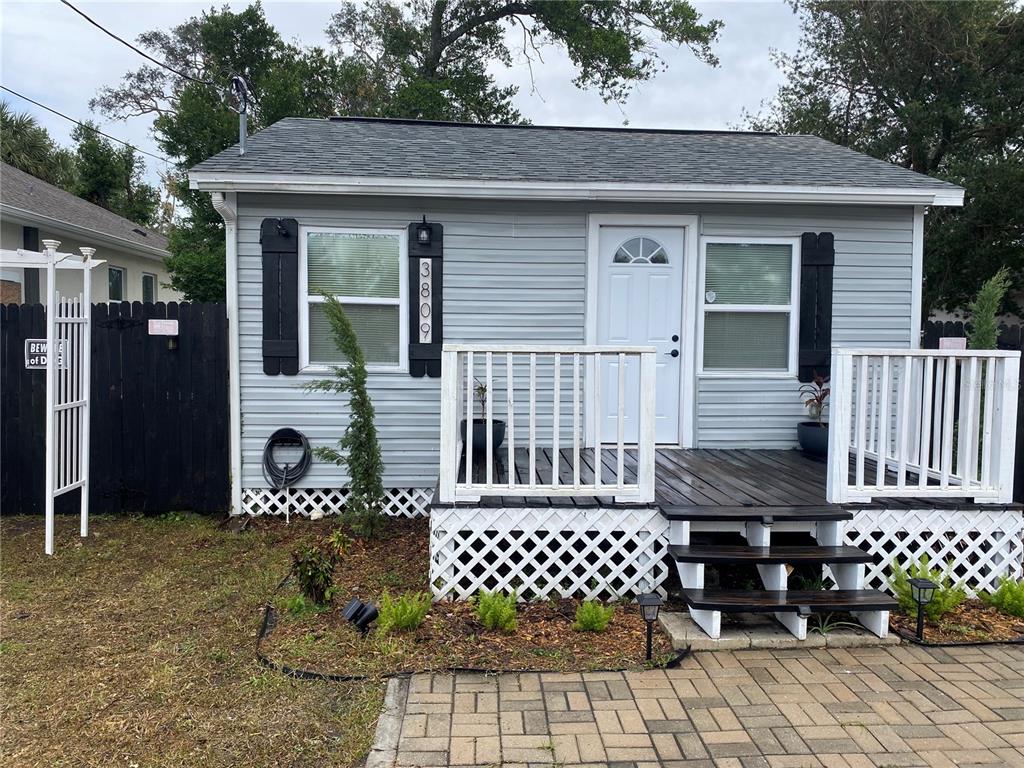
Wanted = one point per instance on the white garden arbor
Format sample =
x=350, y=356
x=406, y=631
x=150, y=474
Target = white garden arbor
x=67, y=372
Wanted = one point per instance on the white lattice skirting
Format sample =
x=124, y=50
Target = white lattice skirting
x=315, y=503
x=541, y=552
x=980, y=545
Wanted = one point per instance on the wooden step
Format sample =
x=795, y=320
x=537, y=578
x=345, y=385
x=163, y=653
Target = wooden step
x=727, y=553
x=766, y=515
x=814, y=601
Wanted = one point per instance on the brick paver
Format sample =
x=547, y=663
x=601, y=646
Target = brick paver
x=799, y=708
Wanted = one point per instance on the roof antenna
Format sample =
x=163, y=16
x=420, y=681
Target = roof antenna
x=241, y=93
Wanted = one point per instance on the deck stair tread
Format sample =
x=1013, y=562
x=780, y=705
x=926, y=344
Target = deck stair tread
x=728, y=553
x=766, y=514
x=769, y=601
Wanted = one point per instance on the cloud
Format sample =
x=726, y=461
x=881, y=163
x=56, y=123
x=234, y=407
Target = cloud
x=54, y=56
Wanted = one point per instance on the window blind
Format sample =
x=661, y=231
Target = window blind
x=353, y=264
x=748, y=273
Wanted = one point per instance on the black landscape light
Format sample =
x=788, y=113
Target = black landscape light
x=650, y=604
x=424, y=232
x=922, y=591
x=359, y=614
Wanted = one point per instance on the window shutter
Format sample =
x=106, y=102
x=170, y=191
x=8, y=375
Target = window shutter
x=426, y=301
x=280, y=241
x=817, y=260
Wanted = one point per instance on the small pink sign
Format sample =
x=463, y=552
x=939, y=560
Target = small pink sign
x=953, y=342
x=160, y=327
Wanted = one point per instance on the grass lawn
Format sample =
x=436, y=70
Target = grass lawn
x=135, y=648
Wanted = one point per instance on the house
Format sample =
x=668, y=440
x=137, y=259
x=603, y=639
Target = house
x=638, y=309
x=32, y=211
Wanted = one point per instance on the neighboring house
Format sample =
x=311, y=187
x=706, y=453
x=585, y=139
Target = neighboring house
x=705, y=275
x=32, y=211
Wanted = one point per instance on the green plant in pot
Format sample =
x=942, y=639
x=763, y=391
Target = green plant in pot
x=480, y=426
x=813, y=435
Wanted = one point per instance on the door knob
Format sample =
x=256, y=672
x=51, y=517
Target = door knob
x=673, y=353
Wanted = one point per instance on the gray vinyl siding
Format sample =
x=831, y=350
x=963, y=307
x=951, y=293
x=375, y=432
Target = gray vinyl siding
x=871, y=306
x=516, y=272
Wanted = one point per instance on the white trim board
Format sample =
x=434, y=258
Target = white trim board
x=691, y=240
x=570, y=190
x=917, y=277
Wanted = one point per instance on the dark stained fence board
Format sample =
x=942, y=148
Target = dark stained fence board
x=159, y=416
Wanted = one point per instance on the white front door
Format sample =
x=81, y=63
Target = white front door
x=639, y=302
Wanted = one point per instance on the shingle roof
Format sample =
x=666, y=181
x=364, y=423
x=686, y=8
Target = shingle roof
x=429, y=150
x=27, y=193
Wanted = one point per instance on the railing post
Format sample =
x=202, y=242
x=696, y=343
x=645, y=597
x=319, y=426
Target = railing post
x=837, y=488
x=449, y=428
x=645, y=434
x=1004, y=420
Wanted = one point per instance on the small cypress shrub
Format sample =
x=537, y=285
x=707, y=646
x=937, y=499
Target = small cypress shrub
x=496, y=611
x=1008, y=597
x=984, y=311
x=591, y=616
x=358, y=450
x=313, y=566
x=402, y=613
x=947, y=597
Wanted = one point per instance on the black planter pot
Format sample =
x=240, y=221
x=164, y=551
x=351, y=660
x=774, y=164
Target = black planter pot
x=813, y=438
x=480, y=435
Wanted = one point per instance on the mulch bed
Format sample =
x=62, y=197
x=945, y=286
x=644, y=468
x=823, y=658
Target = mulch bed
x=450, y=637
x=973, y=621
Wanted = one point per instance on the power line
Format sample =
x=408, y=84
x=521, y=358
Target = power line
x=84, y=125
x=139, y=51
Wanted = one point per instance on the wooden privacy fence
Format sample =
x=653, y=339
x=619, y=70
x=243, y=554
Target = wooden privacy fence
x=159, y=415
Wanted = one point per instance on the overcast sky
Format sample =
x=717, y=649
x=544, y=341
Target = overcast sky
x=55, y=57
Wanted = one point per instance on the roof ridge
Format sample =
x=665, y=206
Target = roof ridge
x=530, y=126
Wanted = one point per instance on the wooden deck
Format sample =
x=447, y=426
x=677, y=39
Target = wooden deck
x=712, y=478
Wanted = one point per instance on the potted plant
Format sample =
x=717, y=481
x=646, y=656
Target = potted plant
x=480, y=425
x=813, y=435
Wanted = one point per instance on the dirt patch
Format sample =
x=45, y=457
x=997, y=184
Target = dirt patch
x=971, y=621
x=451, y=636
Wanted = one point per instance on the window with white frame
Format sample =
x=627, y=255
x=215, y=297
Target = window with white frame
x=115, y=284
x=363, y=270
x=148, y=288
x=749, y=291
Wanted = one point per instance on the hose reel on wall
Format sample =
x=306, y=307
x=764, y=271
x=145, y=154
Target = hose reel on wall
x=283, y=476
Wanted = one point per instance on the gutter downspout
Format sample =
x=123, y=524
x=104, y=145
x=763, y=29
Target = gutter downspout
x=226, y=205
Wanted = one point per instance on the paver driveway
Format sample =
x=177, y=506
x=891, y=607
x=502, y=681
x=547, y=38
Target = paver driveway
x=896, y=706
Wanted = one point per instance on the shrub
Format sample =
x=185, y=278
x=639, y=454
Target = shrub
x=402, y=613
x=591, y=616
x=984, y=311
x=947, y=597
x=497, y=611
x=358, y=450
x=1008, y=597
x=314, y=568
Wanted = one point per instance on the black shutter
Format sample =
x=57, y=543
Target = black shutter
x=280, y=241
x=817, y=260
x=426, y=301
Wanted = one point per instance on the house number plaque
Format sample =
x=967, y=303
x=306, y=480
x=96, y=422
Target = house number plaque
x=426, y=305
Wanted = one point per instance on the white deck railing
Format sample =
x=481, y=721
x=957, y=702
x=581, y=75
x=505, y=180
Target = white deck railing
x=546, y=395
x=922, y=423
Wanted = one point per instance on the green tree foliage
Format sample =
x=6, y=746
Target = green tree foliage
x=418, y=59
x=111, y=177
x=934, y=87
x=947, y=597
x=984, y=311
x=358, y=450
x=28, y=147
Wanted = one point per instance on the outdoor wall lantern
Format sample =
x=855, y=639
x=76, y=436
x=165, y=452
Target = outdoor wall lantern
x=649, y=604
x=922, y=591
x=359, y=614
x=424, y=232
